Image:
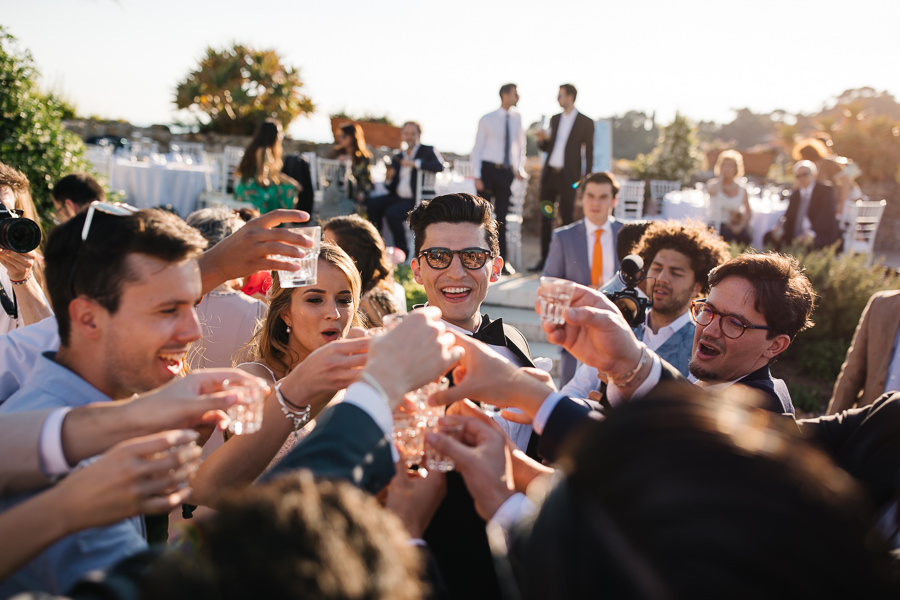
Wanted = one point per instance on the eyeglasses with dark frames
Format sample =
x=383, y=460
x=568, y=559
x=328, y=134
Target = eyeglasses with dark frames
x=732, y=326
x=471, y=258
x=116, y=209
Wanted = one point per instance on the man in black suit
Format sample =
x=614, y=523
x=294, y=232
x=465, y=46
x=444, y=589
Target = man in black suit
x=811, y=217
x=570, y=154
x=401, y=184
x=297, y=167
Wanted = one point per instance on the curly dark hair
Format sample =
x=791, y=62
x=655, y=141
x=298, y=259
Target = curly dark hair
x=784, y=295
x=705, y=249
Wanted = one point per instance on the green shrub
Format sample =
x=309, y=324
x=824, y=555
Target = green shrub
x=415, y=293
x=844, y=284
x=32, y=137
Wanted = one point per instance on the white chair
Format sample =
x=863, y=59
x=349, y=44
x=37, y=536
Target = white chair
x=863, y=219
x=514, y=223
x=194, y=150
x=233, y=156
x=425, y=186
x=630, y=202
x=658, y=189
x=464, y=168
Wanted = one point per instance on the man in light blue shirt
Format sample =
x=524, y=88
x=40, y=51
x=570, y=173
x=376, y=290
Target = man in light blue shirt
x=123, y=286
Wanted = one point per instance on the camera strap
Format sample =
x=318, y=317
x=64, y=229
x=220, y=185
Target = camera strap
x=10, y=306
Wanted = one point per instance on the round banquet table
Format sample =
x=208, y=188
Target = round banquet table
x=149, y=184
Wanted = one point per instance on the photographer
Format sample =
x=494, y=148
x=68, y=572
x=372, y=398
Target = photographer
x=23, y=300
x=678, y=257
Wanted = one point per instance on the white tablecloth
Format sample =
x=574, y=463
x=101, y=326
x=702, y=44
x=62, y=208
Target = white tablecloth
x=694, y=204
x=149, y=184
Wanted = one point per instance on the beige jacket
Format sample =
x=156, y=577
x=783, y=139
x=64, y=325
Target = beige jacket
x=865, y=369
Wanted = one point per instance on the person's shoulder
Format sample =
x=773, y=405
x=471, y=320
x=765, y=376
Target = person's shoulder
x=886, y=295
x=569, y=229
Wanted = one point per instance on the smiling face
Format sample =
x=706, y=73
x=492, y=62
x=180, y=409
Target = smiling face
x=598, y=201
x=674, y=285
x=718, y=358
x=410, y=135
x=457, y=291
x=146, y=339
x=320, y=313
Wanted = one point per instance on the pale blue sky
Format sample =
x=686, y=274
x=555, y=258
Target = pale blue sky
x=442, y=63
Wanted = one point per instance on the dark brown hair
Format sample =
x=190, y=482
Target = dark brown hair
x=262, y=157
x=359, y=238
x=355, y=132
x=570, y=90
x=784, y=295
x=601, y=177
x=97, y=267
x=455, y=208
x=703, y=247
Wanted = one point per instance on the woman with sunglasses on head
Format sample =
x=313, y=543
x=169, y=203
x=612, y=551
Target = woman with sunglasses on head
x=21, y=273
x=260, y=180
x=306, y=334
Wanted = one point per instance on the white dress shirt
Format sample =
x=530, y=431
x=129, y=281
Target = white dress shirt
x=655, y=340
x=609, y=250
x=404, y=181
x=490, y=139
x=564, y=129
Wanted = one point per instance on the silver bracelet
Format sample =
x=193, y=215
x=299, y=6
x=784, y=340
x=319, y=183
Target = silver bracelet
x=629, y=377
x=299, y=417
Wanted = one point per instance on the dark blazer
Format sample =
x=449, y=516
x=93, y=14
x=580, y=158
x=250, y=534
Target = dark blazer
x=296, y=166
x=778, y=399
x=346, y=444
x=822, y=215
x=582, y=135
x=569, y=415
x=429, y=161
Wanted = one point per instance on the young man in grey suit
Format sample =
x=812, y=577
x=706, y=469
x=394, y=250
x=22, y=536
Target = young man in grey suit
x=575, y=251
x=679, y=256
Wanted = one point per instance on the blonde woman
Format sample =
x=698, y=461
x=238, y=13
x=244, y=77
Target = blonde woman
x=728, y=199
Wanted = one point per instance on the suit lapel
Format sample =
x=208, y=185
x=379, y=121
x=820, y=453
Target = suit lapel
x=579, y=238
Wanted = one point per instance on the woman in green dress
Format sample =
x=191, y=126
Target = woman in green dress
x=259, y=177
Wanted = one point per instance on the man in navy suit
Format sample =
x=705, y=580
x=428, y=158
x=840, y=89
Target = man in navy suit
x=570, y=154
x=572, y=252
x=402, y=182
x=811, y=217
x=678, y=257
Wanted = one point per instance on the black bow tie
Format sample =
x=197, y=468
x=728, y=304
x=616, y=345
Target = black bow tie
x=491, y=333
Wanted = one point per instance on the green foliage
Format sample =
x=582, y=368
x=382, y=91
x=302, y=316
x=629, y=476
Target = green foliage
x=415, y=293
x=235, y=89
x=32, y=137
x=365, y=118
x=844, y=285
x=676, y=155
x=633, y=133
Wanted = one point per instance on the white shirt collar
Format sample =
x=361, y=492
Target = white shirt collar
x=590, y=228
x=674, y=326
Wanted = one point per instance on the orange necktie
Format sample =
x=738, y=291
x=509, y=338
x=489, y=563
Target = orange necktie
x=597, y=263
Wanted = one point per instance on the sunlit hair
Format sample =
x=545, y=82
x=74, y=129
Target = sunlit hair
x=810, y=149
x=355, y=132
x=293, y=537
x=700, y=244
x=783, y=293
x=262, y=157
x=270, y=343
x=805, y=164
x=735, y=157
x=16, y=180
x=359, y=238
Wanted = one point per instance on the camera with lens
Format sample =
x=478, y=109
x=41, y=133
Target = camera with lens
x=621, y=290
x=17, y=233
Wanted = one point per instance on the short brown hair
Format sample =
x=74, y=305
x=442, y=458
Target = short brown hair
x=784, y=295
x=703, y=247
x=569, y=89
x=97, y=268
x=455, y=208
x=600, y=177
